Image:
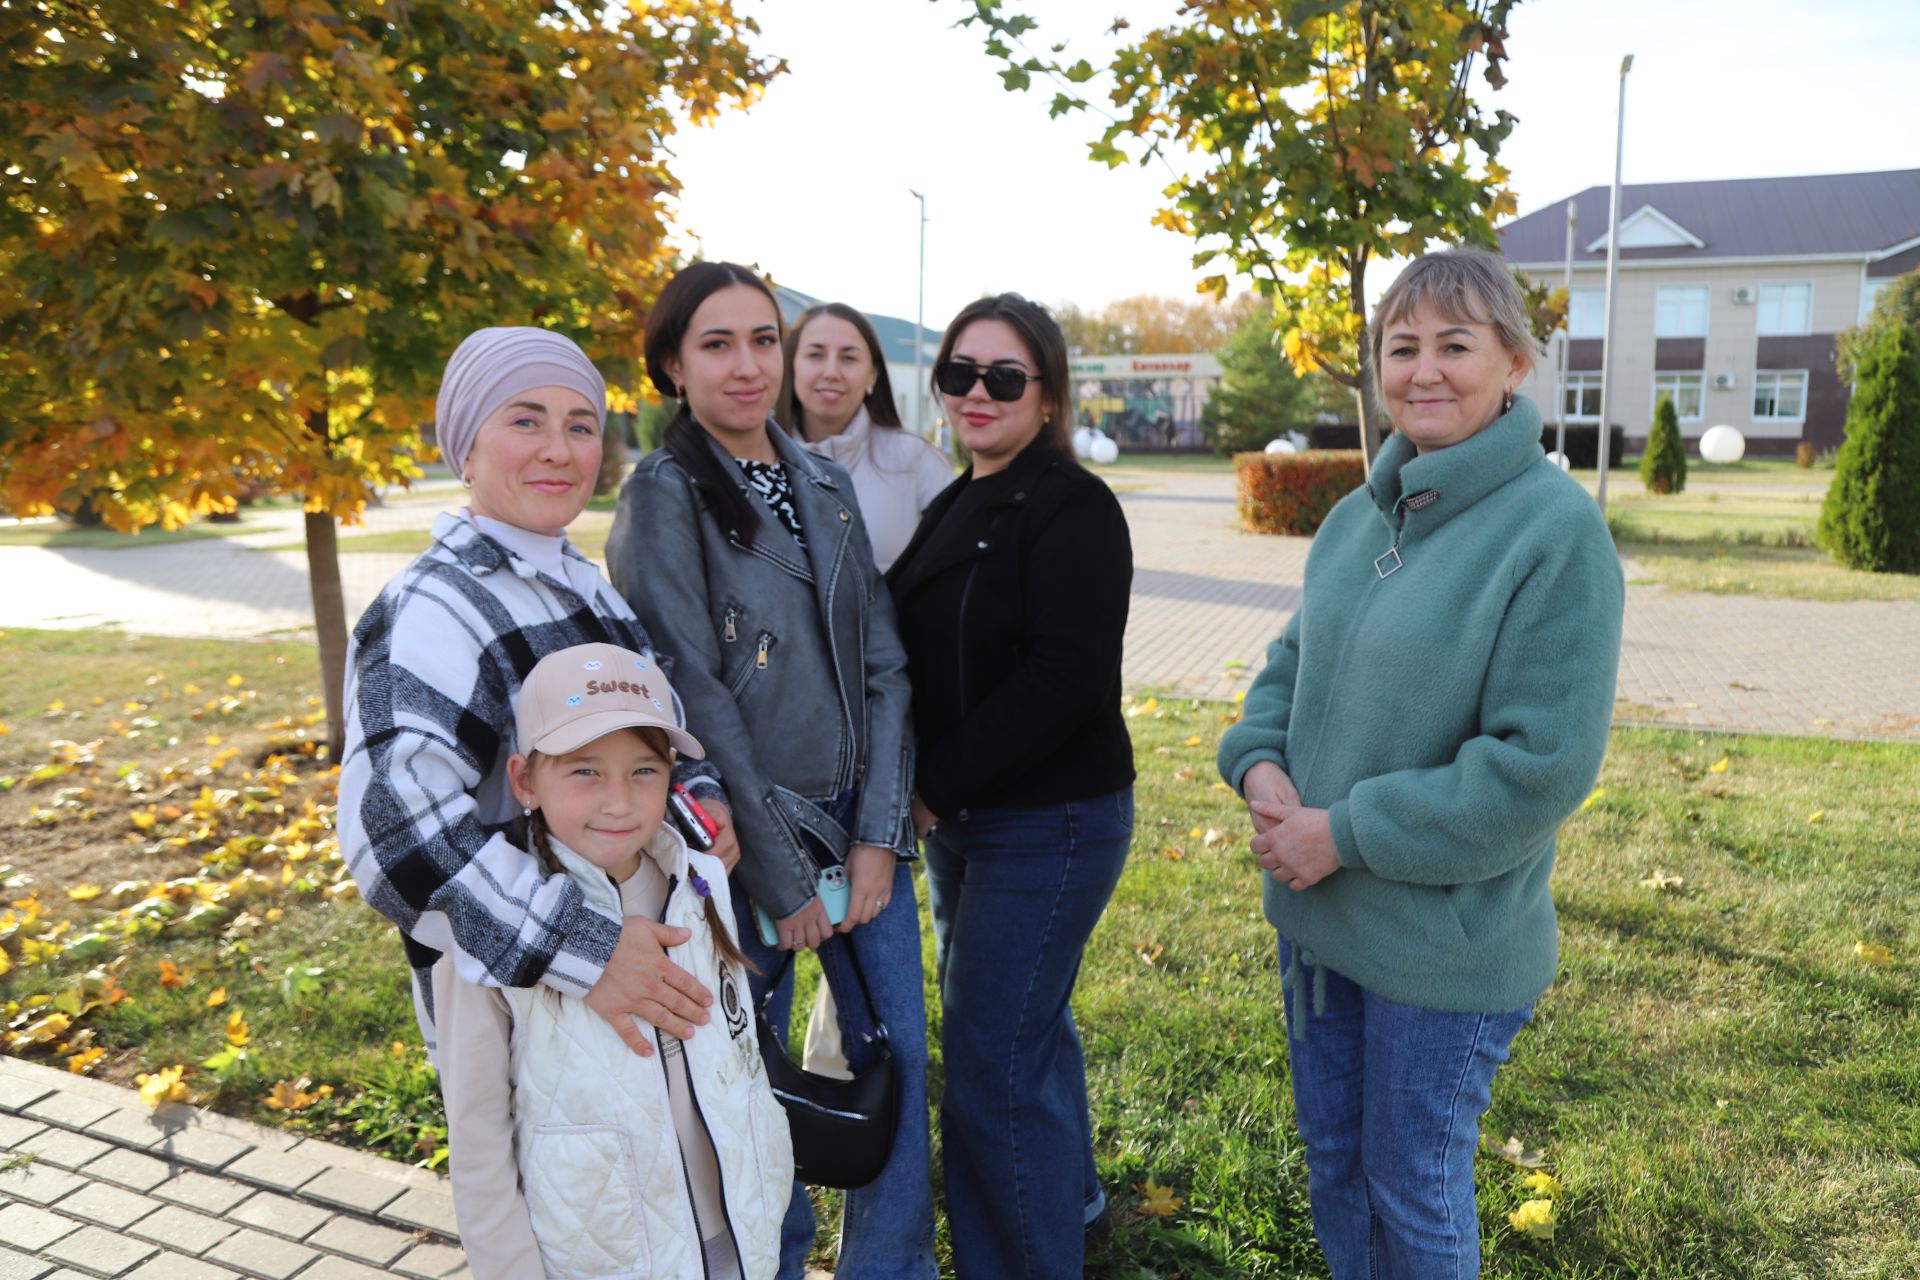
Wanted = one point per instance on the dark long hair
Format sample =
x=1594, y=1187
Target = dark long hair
x=787, y=410
x=684, y=439
x=1040, y=333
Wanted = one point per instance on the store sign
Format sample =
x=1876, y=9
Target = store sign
x=1173, y=366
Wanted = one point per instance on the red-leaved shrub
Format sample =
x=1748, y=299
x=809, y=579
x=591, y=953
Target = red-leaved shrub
x=1292, y=492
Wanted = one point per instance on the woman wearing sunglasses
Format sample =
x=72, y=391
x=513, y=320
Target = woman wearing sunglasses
x=1012, y=599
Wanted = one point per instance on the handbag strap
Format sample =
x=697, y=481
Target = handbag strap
x=853, y=958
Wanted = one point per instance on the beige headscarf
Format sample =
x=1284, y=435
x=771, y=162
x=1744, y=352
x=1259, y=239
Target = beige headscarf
x=492, y=366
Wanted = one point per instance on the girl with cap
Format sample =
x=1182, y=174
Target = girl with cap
x=749, y=558
x=570, y=1156
x=432, y=670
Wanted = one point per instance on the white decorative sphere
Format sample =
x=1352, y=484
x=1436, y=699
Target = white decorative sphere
x=1281, y=446
x=1559, y=460
x=1105, y=450
x=1723, y=444
x=1083, y=442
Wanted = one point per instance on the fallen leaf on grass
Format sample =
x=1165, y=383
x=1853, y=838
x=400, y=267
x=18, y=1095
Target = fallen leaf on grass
x=5, y=728
x=1873, y=953
x=84, y=892
x=1149, y=951
x=1533, y=1219
x=1183, y=775
x=1513, y=1151
x=82, y=1062
x=1818, y=815
x=1718, y=766
x=1663, y=882
x=170, y=975
x=1148, y=707
x=162, y=1086
x=1172, y=854
x=1156, y=1200
x=1212, y=836
x=1194, y=741
x=216, y=997
x=1221, y=786
x=292, y=1095
x=1542, y=1183
x=235, y=680
x=238, y=1032
x=1593, y=799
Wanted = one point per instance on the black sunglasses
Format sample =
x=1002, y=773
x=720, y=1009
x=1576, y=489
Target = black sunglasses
x=956, y=378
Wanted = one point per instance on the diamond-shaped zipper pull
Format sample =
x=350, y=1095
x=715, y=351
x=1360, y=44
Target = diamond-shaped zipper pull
x=1388, y=564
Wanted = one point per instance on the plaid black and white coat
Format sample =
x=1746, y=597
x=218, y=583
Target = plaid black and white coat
x=432, y=671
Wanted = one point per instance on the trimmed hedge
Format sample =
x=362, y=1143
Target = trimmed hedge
x=1292, y=492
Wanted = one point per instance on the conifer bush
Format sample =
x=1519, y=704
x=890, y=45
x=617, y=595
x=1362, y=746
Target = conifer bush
x=1663, y=467
x=1871, y=516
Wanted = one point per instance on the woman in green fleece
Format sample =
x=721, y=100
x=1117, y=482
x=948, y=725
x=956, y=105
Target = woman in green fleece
x=1430, y=716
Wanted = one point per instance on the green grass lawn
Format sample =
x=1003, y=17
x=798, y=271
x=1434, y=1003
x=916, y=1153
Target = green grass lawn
x=1723, y=1084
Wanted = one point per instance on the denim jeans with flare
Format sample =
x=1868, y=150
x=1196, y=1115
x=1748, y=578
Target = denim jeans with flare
x=1015, y=895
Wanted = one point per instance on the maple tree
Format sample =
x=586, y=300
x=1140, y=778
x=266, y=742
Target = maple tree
x=239, y=238
x=1320, y=136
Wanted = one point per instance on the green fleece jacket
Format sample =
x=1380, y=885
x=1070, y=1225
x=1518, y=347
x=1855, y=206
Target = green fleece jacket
x=1444, y=692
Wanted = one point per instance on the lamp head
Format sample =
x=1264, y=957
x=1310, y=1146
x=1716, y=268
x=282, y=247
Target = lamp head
x=1626, y=64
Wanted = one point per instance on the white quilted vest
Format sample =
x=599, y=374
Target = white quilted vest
x=600, y=1165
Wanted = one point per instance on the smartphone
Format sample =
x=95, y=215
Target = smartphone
x=696, y=825
x=835, y=895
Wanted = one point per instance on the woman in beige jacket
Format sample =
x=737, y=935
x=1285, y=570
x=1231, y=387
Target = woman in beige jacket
x=836, y=399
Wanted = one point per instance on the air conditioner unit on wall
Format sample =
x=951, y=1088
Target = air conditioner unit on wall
x=1723, y=382
x=1743, y=294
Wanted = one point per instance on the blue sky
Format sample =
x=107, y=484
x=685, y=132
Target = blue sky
x=885, y=95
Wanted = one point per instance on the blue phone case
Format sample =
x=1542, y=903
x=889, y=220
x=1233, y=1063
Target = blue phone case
x=835, y=893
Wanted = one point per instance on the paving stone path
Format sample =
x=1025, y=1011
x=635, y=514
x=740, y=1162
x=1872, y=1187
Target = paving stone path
x=93, y=1184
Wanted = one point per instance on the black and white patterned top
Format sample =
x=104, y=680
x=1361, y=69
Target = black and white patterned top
x=770, y=481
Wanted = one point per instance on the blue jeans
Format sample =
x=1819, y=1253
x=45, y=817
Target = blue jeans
x=886, y=1228
x=1015, y=895
x=1388, y=1098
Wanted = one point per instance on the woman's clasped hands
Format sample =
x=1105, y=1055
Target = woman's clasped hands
x=1292, y=843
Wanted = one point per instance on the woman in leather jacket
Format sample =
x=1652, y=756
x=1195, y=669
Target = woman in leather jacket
x=750, y=553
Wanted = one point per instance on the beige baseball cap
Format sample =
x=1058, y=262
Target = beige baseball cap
x=578, y=694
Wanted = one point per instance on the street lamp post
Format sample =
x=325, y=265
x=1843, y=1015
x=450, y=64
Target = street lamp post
x=919, y=327
x=1613, y=275
x=1566, y=340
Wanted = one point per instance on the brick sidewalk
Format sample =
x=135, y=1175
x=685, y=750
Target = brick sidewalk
x=93, y=1184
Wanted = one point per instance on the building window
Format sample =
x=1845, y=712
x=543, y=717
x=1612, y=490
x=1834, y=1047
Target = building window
x=1580, y=397
x=1870, y=294
x=1685, y=390
x=1785, y=308
x=1779, y=397
x=1680, y=311
x=1587, y=312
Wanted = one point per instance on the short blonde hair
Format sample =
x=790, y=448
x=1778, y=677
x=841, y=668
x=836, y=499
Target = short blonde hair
x=1462, y=284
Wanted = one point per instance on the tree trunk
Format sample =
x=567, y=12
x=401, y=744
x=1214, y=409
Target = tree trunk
x=329, y=623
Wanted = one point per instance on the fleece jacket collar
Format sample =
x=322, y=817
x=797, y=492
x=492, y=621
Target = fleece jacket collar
x=1458, y=476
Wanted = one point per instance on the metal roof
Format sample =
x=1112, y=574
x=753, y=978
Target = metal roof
x=1839, y=214
x=895, y=334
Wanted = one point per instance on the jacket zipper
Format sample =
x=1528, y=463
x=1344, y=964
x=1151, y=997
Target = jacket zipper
x=686, y=1177
x=731, y=635
x=759, y=663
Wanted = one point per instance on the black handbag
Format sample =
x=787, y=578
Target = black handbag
x=842, y=1129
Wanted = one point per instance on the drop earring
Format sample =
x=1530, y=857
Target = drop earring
x=1506, y=401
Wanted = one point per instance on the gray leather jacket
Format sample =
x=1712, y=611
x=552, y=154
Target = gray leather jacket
x=788, y=660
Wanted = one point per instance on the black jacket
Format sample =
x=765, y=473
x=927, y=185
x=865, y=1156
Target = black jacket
x=1012, y=600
